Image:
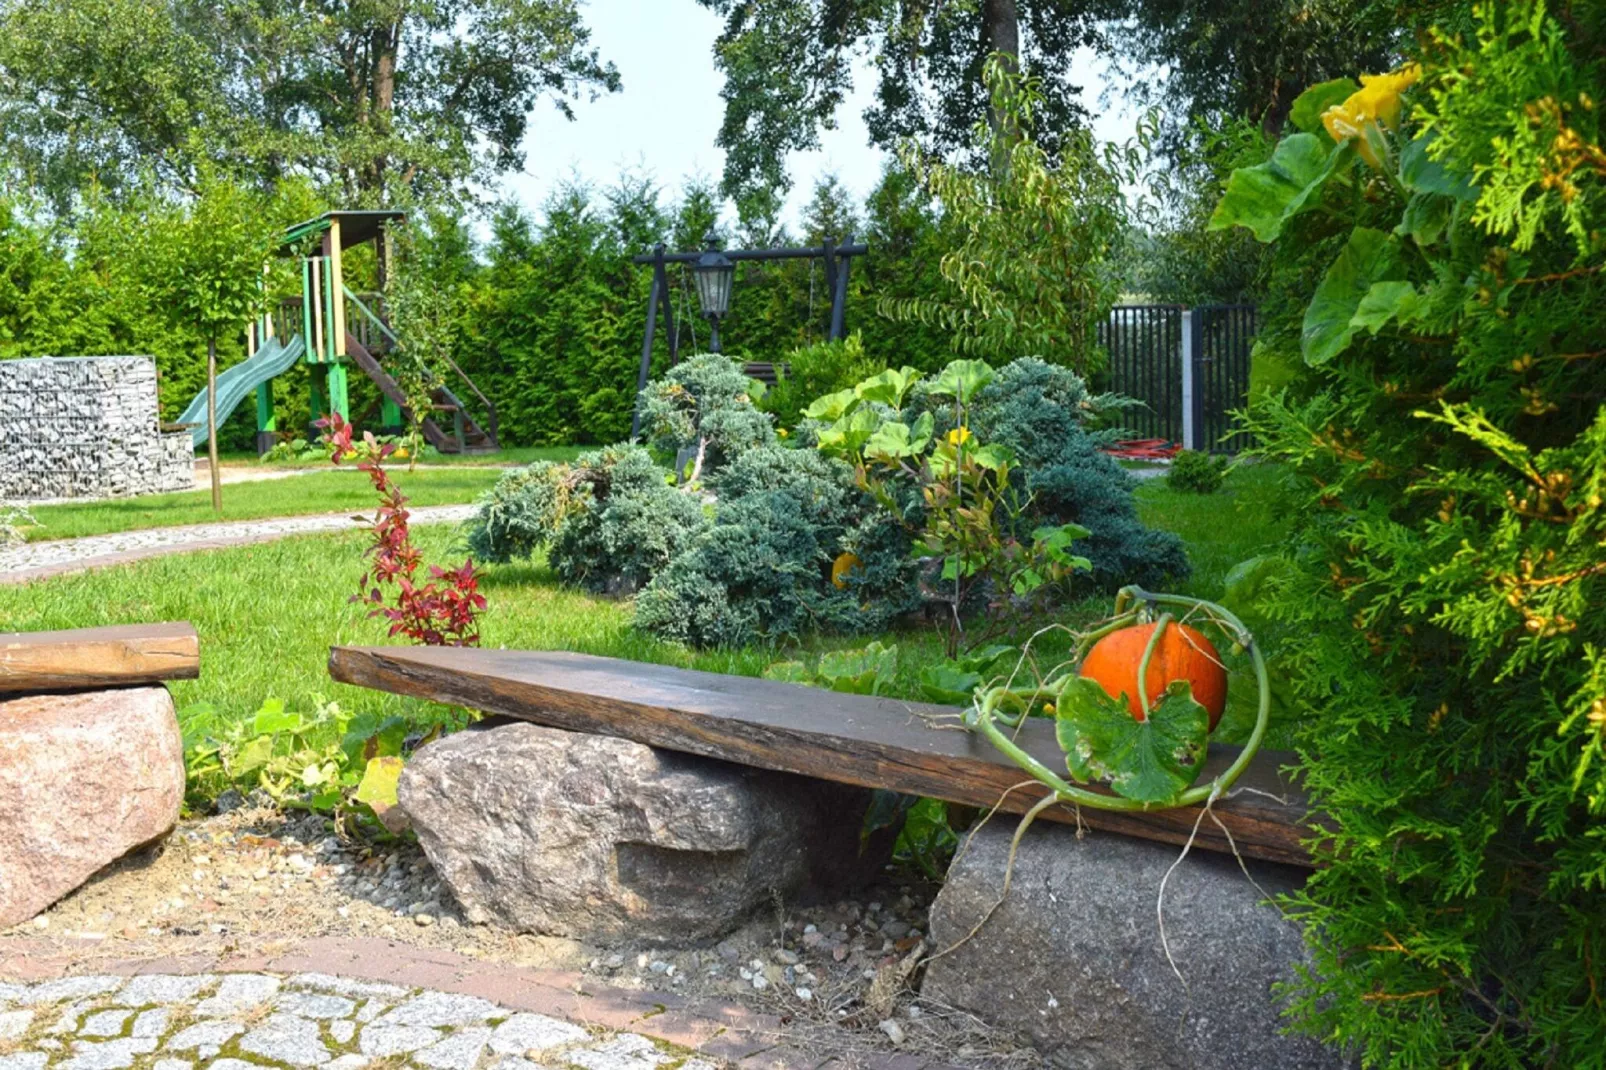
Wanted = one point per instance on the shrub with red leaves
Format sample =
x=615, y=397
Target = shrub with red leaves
x=441, y=612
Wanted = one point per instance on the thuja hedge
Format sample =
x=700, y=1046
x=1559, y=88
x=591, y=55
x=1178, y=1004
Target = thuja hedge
x=743, y=550
x=1438, y=248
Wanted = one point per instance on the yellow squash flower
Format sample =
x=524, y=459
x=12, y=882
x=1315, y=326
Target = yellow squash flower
x=1375, y=104
x=959, y=436
x=844, y=564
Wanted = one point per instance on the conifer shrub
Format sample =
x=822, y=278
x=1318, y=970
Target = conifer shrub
x=1196, y=472
x=1041, y=411
x=1440, y=597
x=763, y=570
x=704, y=408
x=607, y=522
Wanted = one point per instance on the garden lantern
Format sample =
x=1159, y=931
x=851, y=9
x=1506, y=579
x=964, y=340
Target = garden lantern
x=714, y=273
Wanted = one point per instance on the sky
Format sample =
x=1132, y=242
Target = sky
x=665, y=119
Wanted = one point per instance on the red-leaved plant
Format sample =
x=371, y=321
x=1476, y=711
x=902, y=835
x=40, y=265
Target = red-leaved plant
x=441, y=612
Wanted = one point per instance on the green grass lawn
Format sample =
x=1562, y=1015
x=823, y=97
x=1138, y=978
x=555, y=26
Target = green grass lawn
x=267, y=614
x=1237, y=522
x=335, y=490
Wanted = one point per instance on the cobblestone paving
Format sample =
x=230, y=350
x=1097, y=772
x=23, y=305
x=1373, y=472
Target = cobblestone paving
x=247, y=1021
x=37, y=559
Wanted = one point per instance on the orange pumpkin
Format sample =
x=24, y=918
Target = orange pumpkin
x=1182, y=653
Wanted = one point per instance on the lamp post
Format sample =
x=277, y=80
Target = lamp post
x=714, y=274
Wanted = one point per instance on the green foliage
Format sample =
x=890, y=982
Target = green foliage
x=1196, y=472
x=1152, y=760
x=1032, y=270
x=607, y=522
x=328, y=761
x=1173, y=257
x=762, y=571
x=858, y=672
x=822, y=368
x=1439, y=595
x=788, y=67
x=407, y=98
x=1038, y=411
x=704, y=408
x=424, y=310
x=205, y=263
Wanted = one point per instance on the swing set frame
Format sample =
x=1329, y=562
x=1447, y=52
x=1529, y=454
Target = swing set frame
x=837, y=256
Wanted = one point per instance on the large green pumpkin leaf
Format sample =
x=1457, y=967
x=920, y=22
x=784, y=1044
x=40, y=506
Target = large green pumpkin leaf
x=1421, y=173
x=962, y=378
x=832, y=406
x=1386, y=301
x=893, y=439
x=888, y=387
x=1149, y=761
x=1425, y=219
x=1306, y=114
x=273, y=717
x=1368, y=257
x=1265, y=197
x=861, y=672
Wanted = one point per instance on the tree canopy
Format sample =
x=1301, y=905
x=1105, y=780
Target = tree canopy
x=370, y=101
x=788, y=67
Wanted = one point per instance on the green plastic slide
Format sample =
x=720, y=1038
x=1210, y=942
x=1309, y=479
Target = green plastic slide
x=236, y=384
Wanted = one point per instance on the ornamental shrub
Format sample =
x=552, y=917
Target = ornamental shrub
x=813, y=370
x=1196, y=472
x=1438, y=252
x=607, y=522
x=762, y=571
x=704, y=407
x=1039, y=411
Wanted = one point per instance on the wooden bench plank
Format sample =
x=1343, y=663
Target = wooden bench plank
x=121, y=656
x=880, y=743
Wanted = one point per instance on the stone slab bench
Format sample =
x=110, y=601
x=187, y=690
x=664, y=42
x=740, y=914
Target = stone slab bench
x=91, y=757
x=910, y=747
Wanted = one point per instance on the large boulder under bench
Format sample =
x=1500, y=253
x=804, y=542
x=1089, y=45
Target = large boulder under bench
x=1073, y=956
x=595, y=837
x=91, y=758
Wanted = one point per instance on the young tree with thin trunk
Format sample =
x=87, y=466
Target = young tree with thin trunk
x=205, y=268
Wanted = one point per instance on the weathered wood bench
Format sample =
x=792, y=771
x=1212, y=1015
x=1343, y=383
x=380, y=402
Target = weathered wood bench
x=910, y=747
x=96, y=658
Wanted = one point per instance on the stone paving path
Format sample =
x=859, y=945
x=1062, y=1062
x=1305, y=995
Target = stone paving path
x=37, y=560
x=356, y=1003
x=245, y=1021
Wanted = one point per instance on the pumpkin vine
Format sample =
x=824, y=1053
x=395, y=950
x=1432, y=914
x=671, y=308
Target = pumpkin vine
x=1149, y=755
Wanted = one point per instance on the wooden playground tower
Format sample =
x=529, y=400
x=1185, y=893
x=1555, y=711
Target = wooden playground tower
x=332, y=329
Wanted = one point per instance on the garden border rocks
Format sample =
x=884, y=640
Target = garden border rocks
x=1073, y=956
x=590, y=836
x=84, y=779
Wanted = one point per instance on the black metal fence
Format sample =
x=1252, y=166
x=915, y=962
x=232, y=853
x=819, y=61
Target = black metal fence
x=1148, y=344
x=1145, y=347
x=1222, y=338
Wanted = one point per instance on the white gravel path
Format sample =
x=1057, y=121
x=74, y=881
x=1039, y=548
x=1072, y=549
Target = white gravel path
x=36, y=560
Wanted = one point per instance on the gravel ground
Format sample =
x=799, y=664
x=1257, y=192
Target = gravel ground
x=839, y=972
x=64, y=554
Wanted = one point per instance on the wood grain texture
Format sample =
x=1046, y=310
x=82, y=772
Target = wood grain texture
x=123, y=656
x=909, y=747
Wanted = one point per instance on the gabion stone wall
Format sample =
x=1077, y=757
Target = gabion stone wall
x=86, y=427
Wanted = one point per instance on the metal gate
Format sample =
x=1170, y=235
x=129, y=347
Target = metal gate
x=1189, y=368
x=1222, y=338
x=1145, y=347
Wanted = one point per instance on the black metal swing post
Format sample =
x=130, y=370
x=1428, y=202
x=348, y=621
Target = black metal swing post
x=837, y=259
